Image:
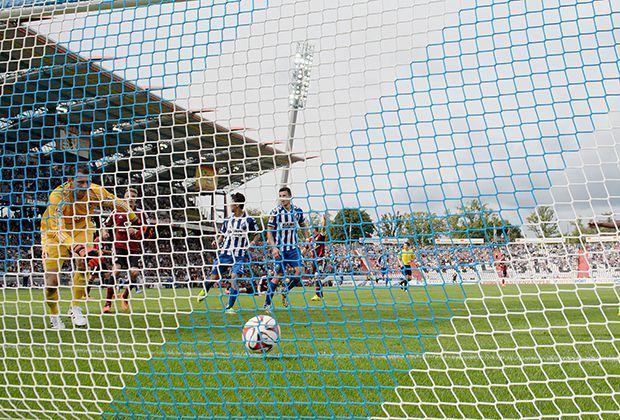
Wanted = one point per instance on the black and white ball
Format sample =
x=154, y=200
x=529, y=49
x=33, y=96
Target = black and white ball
x=261, y=334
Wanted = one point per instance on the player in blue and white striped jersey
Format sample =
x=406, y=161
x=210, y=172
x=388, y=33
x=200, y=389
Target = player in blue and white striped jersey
x=232, y=242
x=286, y=223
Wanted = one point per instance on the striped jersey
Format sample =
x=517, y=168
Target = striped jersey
x=286, y=223
x=236, y=231
x=383, y=262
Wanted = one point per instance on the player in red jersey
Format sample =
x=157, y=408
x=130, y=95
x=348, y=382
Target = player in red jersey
x=316, y=243
x=500, y=265
x=127, y=246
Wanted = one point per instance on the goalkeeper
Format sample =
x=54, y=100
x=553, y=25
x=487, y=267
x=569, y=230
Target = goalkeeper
x=66, y=230
x=406, y=260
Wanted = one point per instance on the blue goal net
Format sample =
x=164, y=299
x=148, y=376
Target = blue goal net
x=295, y=208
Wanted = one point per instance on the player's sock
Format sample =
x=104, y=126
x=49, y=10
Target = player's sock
x=271, y=289
x=109, y=295
x=51, y=298
x=79, y=287
x=124, y=301
x=295, y=281
x=232, y=297
x=209, y=285
x=319, y=288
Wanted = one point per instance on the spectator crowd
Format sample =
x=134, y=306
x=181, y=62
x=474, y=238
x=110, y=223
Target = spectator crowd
x=186, y=261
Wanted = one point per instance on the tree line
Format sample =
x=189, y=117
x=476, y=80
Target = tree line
x=543, y=222
x=474, y=219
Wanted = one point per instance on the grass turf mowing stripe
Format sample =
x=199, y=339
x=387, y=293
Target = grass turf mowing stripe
x=582, y=325
x=357, y=377
x=515, y=371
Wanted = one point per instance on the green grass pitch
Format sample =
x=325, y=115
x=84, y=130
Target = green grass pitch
x=473, y=351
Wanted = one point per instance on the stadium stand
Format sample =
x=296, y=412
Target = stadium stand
x=58, y=109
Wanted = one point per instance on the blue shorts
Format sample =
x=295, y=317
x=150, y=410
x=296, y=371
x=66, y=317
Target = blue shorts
x=227, y=263
x=290, y=258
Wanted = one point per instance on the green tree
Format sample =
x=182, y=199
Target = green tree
x=392, y=225
x=261, y=220
x=475, y=219
x=510, y=231
x=424, y=227
x=317, y=219
x=543, y=222
x=455, y=227
x=579, y=229
x=351, y=224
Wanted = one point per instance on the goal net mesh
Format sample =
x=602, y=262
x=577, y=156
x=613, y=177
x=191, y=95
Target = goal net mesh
x=455, y=178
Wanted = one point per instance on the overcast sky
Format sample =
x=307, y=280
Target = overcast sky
x=413, y=105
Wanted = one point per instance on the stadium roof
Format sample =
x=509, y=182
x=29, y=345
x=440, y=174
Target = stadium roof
x=67, y=107
x=36, y=9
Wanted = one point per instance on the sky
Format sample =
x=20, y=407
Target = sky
x=413, y=105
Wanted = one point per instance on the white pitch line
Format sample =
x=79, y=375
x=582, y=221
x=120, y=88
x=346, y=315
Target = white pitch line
x=82, y=349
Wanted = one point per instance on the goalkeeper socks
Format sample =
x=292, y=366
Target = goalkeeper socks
x=125, y=294
x=271, y=289
x=232, y=297
x=51, y=298
x=79, y=288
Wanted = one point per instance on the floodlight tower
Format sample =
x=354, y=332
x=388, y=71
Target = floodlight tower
x=300, y=81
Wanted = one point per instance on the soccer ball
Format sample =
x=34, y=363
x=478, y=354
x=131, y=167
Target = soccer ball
x=261, y=333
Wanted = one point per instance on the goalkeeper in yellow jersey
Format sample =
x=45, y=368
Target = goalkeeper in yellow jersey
x=67, y=233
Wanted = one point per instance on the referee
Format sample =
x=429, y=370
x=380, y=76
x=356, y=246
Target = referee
x=406, y=258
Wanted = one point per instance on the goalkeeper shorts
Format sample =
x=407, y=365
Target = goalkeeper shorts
x=55, y=253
